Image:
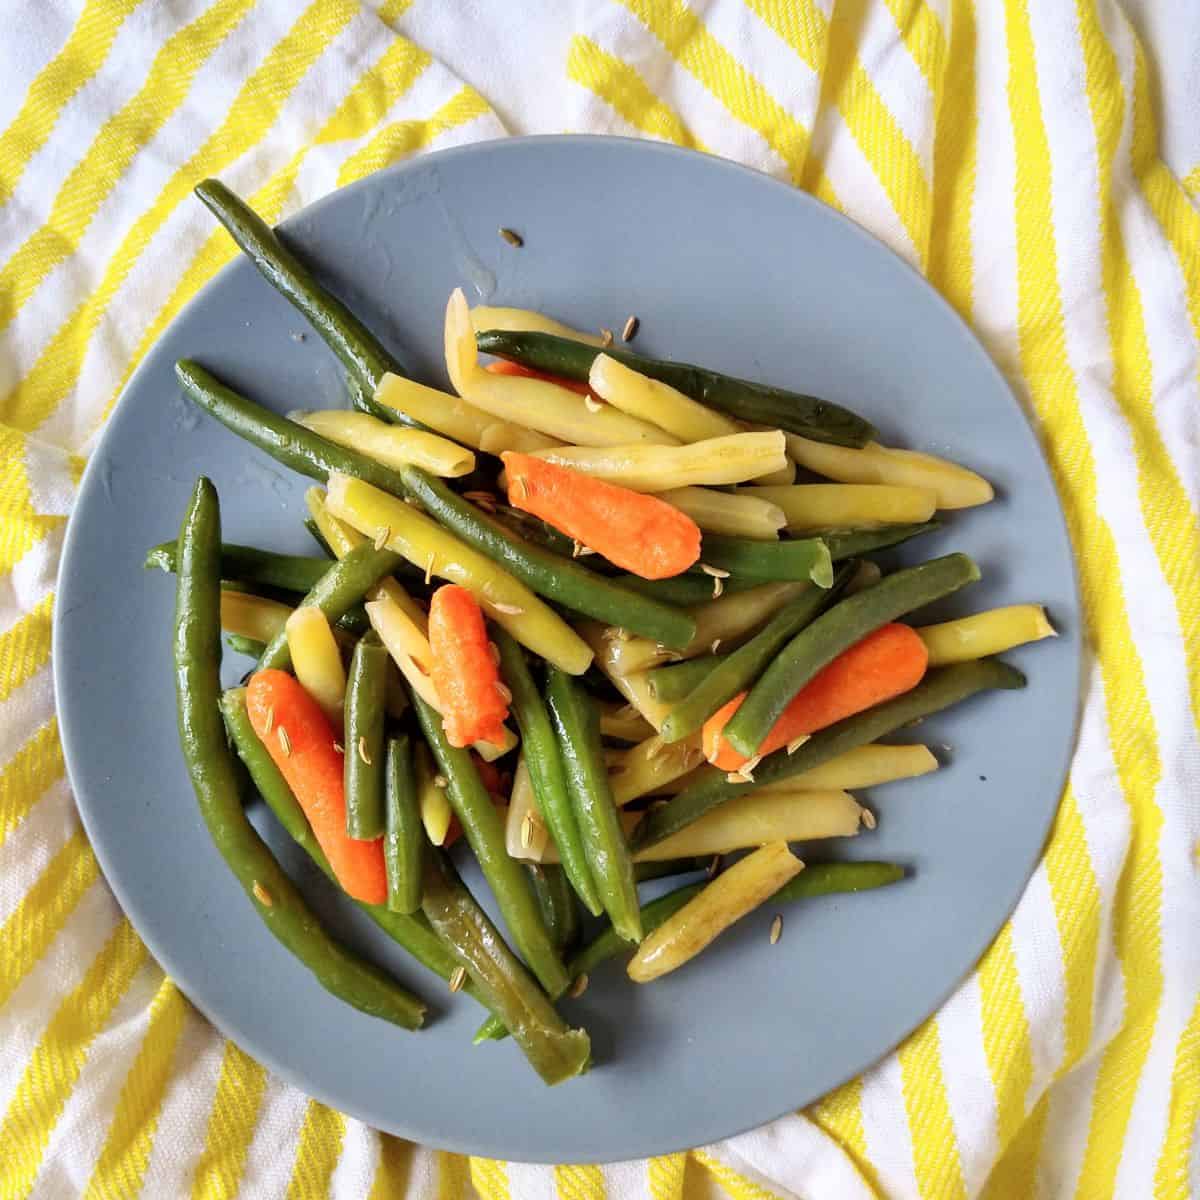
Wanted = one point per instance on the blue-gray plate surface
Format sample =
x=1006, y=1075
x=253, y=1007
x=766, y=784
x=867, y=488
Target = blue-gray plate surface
x=724, y=267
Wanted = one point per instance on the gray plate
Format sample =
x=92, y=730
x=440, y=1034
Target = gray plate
x=725, y=267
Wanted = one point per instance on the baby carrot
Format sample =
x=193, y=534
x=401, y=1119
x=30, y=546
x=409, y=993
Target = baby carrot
x=465, y=674
x=634, y=530
x=881, y=666
x=503, y=367
x=304, y=746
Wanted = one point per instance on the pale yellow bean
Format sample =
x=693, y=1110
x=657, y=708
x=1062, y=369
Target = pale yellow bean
x=813, y=506
x=656, y=402
x=316, y=660
x=524, y=320
x=434, y=803
x=392, y=445
x=651, y=765
x=525, y=833
x=728, y=512
x=985, y=633
x=252, y=616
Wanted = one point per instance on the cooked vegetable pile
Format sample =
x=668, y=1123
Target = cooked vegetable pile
x=580, y=616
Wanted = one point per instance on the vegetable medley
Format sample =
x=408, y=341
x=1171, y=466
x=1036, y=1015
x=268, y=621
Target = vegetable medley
x=581, y=616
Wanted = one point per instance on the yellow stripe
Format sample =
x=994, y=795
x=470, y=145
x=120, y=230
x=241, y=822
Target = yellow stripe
x=121, y=1167
x=364, y=105
x=249, y=118
x=490, y=1178
x=921, y=32
x=81, y=56
x=394, y=1172
x=735, y=1185
x=20, y=526
x=402, y=138
x=1171, y=1175
x=1005, y=1034
x=1014, y=1174
x=112, y=151
x=28, y=775
x=1191, y=181
x=318, y=1153
x=927, y=1108
x=232, y=1120
x=688, y=41
x=453, y=1176
x=42, y=911
x=54, y=1067
x=626, y=92
x=25, y=648
x=839, y=1116
x=665, y=1176
x=579, y=1183
x=846, y=85
x=951, y=266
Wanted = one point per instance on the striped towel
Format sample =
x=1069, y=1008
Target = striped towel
x=1008, y=149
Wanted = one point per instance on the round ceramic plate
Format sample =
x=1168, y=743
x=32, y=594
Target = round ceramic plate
x=724, y=267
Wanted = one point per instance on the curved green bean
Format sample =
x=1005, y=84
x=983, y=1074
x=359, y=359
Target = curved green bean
x=835, y=631
x=561, y=580
x=412, y=933
x=197, y=654
x=577, y=724
x=854, y=543
x=758, y=403
x=337, y=593
x=738, y=669
x=404, y=838
x=484, y=832
x=366, y=692
x=938, y=690
x=360, y=352
x=556, y=1051
x=249, y=565
x=544, y=763
x=691, y=588
x=679, y=680
x=764, y=562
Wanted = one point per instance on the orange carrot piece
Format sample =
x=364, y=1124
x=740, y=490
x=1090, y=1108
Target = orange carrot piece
x=503, y=367
x=467, y=679
x=304, y=746
x=883, y=665
x=636, y=531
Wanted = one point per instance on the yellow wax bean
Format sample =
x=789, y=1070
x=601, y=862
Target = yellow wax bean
x=985, y=633
x=392, y=445
x=484, y=317
x=812, y=506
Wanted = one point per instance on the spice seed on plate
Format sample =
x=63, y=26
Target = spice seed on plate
x=776, y=928
x=512, y=237
x=630, y=330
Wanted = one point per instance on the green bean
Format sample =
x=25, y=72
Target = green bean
x=412, y=933
x=366, y=689
x=645, y=871
x=758, y=403
x=685, y=591
x=286, y=441
x=577, y=725
x=354, y=620
x=557, y=902
x=765, y=562
x=404, y=836
x=837, y=630
x=681, y=679
x=554, y=1050
x=318, y=537
x=336, y=594
x=738, y=669
x=938, y=690
x=365, y=360
x=854, y=543
x=484, y=832
x=250, y=647
x=249, y=565
x=197, y=654
x=545, y=767
x=545, y=572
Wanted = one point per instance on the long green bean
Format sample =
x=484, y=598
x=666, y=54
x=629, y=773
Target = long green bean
x=764, y=562
x=684, y=591
x=404, y=838
x=197, y=655
x=738, y=669
x=366, y=692
x=485, y=834
x=854, y=543
x=548, y=574
x=555, y=1051
x=679, y=680
x=758, y=403
x=245, y=645
x=544, y=764
x=249, y=565
x=577, y=724
x=557, y=902
x=819, y=643
x=938, y=690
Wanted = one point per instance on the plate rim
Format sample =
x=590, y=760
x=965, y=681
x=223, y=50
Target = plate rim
x=74, y=751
